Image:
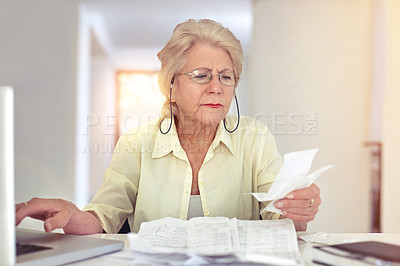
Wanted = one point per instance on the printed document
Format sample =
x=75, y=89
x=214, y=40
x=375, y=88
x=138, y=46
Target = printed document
x=216, y=239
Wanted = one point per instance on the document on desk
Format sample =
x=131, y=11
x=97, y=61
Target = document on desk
x=220, y=238
x=201, y=235
x=274, y=236
x=293, y=175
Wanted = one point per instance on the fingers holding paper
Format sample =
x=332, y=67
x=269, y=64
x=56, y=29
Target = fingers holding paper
x=301, y=205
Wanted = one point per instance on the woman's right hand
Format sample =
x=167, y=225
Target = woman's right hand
x=58, y=213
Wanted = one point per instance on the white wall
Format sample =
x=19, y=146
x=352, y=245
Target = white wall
x=391, y=121
x=38, y=58
x=310, y=69
x=102, y=132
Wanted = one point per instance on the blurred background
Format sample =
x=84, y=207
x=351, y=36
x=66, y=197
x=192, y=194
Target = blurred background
x=320, y=73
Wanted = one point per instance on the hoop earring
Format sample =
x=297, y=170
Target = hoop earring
x=237, y=107
x=170, y=108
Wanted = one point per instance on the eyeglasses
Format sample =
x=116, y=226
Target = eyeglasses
x=204, y=75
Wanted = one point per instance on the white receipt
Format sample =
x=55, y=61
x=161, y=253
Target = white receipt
x=274, y=236
x=293, y=175
x=163, y=235
x=324, y=238
x=233, y=226
x=209, y=236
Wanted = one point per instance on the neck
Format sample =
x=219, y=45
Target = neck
x=191, y=132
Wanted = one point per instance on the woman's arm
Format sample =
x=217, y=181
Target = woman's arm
x=58, y=213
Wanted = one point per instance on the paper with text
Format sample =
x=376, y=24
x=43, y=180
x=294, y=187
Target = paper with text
x=209, y=236
x=163, y=235
x=293, y=175
x=274, y=237
x=217, y=235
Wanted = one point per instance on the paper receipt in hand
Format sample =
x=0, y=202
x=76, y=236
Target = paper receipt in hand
x=293, y=175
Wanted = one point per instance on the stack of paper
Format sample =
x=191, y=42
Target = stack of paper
x=217, y=240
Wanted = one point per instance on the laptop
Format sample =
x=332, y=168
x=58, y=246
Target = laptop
x=42, y=248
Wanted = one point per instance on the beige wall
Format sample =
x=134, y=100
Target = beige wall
x=391, y=121
x=102, y=129
x=38, y=58
x=310, y=69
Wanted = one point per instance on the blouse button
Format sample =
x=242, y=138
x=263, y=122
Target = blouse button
x=206, y=213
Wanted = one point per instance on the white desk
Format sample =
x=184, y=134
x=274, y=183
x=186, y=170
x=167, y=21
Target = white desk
x=305, y=248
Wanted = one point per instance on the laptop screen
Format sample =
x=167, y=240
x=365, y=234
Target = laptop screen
x=7, y=219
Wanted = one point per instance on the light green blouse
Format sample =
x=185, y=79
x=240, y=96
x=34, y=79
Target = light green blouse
x=150, y=176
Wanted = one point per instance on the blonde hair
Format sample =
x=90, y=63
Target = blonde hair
x=185, y=36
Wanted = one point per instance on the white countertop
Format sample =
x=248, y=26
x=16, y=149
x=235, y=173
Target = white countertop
x=304, y=247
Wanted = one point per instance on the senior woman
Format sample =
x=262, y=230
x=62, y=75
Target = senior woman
x=196, y=160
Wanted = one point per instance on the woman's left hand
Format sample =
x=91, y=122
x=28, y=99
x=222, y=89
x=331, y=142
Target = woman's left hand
x=301, y=206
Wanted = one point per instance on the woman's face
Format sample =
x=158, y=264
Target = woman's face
x=205, y=104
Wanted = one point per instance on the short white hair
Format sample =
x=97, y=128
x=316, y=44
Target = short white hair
x=186, y=35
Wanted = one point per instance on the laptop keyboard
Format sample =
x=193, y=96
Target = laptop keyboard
x=29, y=248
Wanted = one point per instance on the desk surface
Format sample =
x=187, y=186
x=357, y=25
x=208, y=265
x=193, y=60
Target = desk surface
x=305, y=248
